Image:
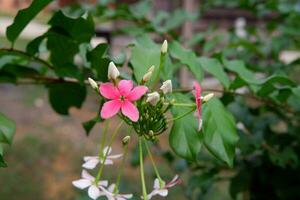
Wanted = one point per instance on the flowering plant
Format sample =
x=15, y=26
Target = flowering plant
x=144, y=109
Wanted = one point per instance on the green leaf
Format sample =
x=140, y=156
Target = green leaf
x=2, y=162
x=98, y=62
x=220, y=135
x=89, y=125
x=214, y=67
x=274, y=83
x=33, y=47
x=184, y=138
x=238, y=67
x=63, y=96
x=79, y=29
x=7, y=129
x=188, y=58
x=24, y=17
x=145, y=53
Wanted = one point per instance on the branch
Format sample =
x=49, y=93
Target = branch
x=27, y=55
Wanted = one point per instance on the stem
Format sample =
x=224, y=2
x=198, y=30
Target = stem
x=192, y=105
x=152, y=161
x=103, y=139
x=25, y=54
x=161, y=66
x=181, y=116
x=106, y=153
x=123, y=163
x=142, y=170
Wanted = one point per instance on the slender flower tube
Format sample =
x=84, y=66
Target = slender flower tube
x=166, y=87
x=121, y=98
x=153, y=98
x=197, y=94
x=164, y=47
x=207, y=97
x=149, y=73
x=88, y=181
x=93, y=84
x=113, y=72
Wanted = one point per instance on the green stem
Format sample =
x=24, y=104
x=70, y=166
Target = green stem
x=142, y=170
x=161, y=66
x=103, y=139
x=192, y=105
x=152, y=161
x=106, y=153
x=181, y=116
x=123, y=163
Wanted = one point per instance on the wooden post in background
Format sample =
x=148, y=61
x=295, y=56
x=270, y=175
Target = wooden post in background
x=187, y=33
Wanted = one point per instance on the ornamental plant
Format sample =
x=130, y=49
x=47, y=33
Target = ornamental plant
x=143, y=108
x=243, y=133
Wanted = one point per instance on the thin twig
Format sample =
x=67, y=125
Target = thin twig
x=23, y=53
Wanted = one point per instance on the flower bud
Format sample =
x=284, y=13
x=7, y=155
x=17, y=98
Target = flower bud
x=113, y=72
x=125, y=140
x=207, y=97
x=164, y=47
x=148, y=75
x=166, y=87
x=153, y=98
x=93, y=83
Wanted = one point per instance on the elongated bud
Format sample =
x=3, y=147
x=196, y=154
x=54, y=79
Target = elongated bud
x=166, y=87
x=93, y=83
x=125, y=140
x=164, y=47
x=207, y=97
x=149, y=73
x=153, y=98
x=113, y=72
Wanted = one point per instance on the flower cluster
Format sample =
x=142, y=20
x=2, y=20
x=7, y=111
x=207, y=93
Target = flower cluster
x=143, y=108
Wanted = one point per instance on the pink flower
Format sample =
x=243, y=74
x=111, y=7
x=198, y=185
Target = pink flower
x=197, y=94
x=162, y=190
x=121, y=98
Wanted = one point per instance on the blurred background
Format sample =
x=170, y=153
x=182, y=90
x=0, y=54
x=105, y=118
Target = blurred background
x=48, y=148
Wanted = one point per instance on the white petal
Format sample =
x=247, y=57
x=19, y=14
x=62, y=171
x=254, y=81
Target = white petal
x=114, y=156
x=108, y=162
x=91, y=164
x=103, y=183
x=87, y=158
x=111, y=188
x=86, y=175
x=156, y=184
x=94, y=192
x=107, y=149
x=127, y=196
x=163, y=192
x=82, y=183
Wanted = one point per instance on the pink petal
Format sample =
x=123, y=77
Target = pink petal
x=125, y=86
x=197, y=95
x=86, y=175
x=137, y=93
x=94, y=192
x=129, y=110
x=82, y=183
x=109, y=91
x=110, y=108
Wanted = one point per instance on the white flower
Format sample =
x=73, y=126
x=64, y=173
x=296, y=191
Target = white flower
x=88, y=181
x=161, y=189
x=166, y=87
x=153, y=98
x=207, y=97
x=164, y=47
x=113, y=72
x=149, y=73
x=93, y=83
x=112, y=195
x=92, y=161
